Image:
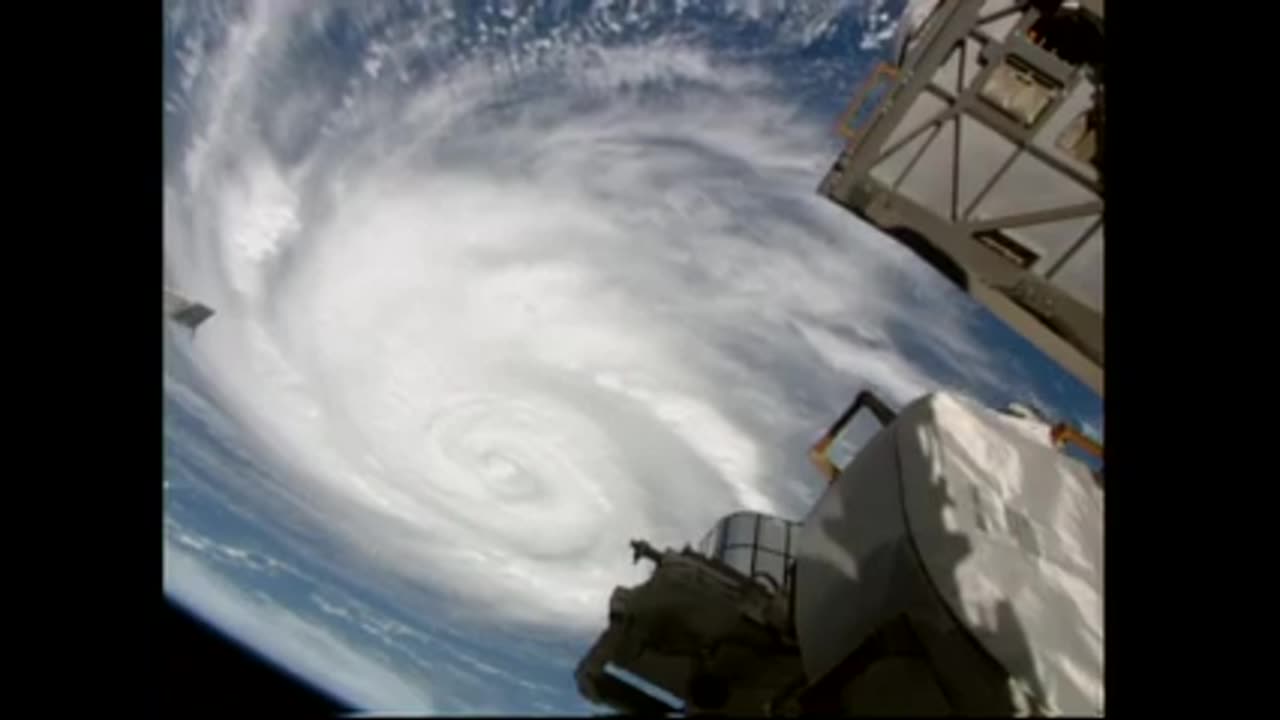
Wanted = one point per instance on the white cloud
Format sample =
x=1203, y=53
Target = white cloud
x=298, y=643
x=414, y=310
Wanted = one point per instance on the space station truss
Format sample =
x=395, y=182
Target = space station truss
x=980, y=149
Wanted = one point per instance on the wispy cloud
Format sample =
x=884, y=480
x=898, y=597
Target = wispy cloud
x=303, y=646
x=518, y=299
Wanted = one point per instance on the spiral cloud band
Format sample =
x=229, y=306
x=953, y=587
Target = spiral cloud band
x=497, y=295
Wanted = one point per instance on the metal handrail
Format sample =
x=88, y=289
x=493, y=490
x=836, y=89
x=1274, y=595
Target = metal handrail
x=864, y=399
x=852, y=134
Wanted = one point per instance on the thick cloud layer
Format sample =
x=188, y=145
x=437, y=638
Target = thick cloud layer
x=498, y=292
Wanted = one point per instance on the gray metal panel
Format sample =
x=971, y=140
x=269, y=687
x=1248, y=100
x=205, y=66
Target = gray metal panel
x=741, y=530
x=883, y=543
x=1029, y=584
x=1000, y=29
x=991, y=7
x=1005, y=125
x=771, y=565
x=1082, y=274
x=773, y=534
x=739, y=558
x=923, y=108
x=1052, y=241
x=983, y=153
x=895, y=165
x=929, y=182
x=1030, y=185
x=1077, y=101
x=1045, y=62
x=983, y=271
x=947, y=77
x=852, y=547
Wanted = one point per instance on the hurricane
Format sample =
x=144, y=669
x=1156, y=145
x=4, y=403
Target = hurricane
x=502, y=286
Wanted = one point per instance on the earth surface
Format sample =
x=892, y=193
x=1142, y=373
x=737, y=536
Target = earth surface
x=501, y=286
